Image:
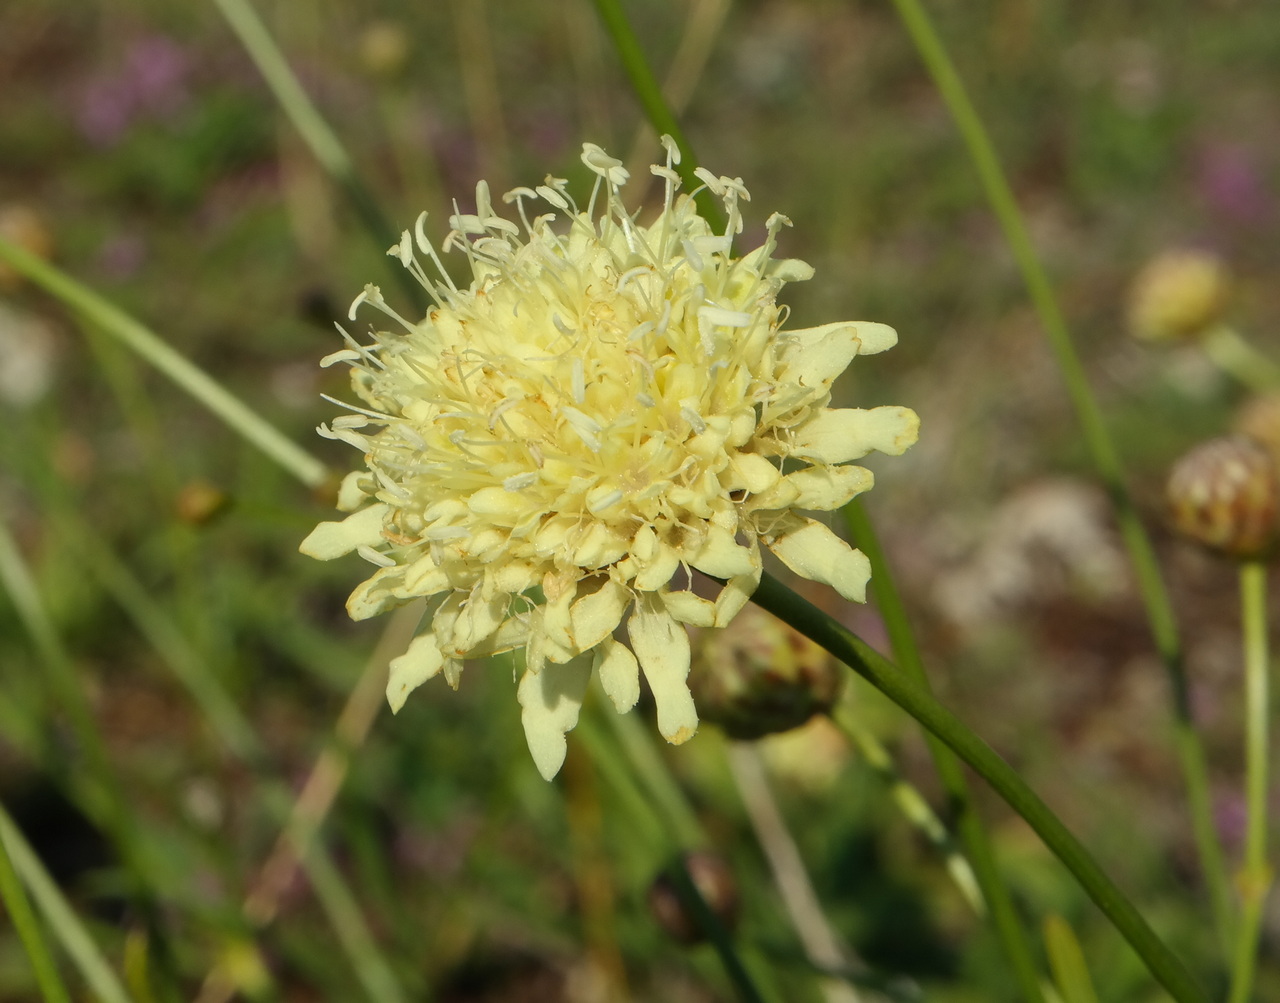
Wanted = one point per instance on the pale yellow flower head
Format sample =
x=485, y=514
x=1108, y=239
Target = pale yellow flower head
x=604, y=408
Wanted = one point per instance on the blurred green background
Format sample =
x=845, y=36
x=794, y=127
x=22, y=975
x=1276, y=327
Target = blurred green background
x=140, y=149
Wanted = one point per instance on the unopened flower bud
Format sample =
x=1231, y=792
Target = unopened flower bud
x=1178, y=295
x=1224, y=494
x=26, y=227
x=199, y=502
x=762, y=676
x=716, y=884
x=384, y=49
x=1259, y=420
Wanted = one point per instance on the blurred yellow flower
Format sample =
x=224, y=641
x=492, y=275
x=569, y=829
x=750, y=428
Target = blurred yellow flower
x=1178, y=294
x=604, y=407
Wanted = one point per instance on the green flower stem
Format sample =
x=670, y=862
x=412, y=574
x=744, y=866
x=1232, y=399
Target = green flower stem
x=1105, y=458
x=235, y=413
x=314, y=130
x=913, y=806
x=29, y=932
x=660, y=116
x=1165, y=966
x=1255, y=878
x=63, y=922
x=973, y=834
x=1235, y=355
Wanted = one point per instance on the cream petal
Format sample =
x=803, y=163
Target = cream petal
x=839, y=434
x=445, y=620
x=812, y=551
x=817, y=355
x=658, y=571
x=874, y=338
x=376, y=594
x=419, y=663
x=351, y=492
x=689, y=608
x=736, y=593
x=720, y=556
x=557, y=624
x=619, y=673
x=479, y=620
x=514, y=633
x=550, y=700
x=497, y=501
x=333, y=539
x=790, y=270
x=599, y=546
x=824, y=488
x=513, y=577
x=535, y=648
x=710, y=442
x=661, y=646
x=423, y=578
x=594, y=617
x=750, y=472
x=644, y=545
x=781, y=495
x=742, y=426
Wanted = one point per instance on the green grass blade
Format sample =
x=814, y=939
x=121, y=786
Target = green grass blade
x=1067, y=961
x=190, y=377
x=239, y=736
x=314, y=130
x=1255, y=877
x=973, y=834
x=1151, y=585
x=62, y=920
x=899, y=687
x=112, y=807
x=29, y=932
x=649, y=93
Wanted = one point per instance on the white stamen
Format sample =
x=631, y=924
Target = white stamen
x=691, y=255
x=342, y=355
x=519, y=482
x=355, y=303
x=404, y=249
x=554, y=197
x=588, y=428
x=600, y=504
x=446, y=533
x=609, y=168
x=725, y=318
x=373, y=557
x=694, y=419
x=710, y=180
x=673, y=150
